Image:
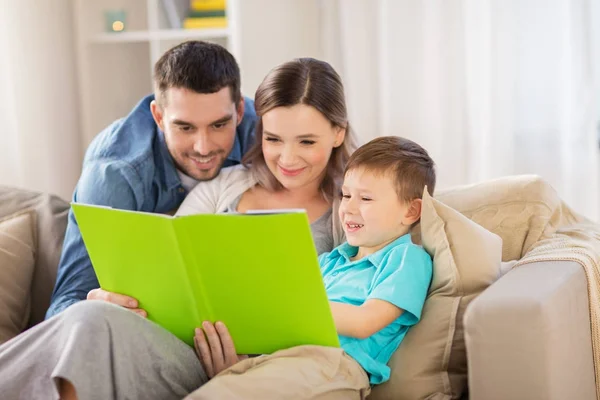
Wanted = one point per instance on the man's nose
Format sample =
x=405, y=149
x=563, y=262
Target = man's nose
x=202, y=144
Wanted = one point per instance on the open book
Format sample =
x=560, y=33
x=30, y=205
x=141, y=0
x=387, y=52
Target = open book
x=258, y=273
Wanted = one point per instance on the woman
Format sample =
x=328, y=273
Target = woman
x=302, y=145
x=103, y=351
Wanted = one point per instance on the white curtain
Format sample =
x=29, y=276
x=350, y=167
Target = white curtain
x=489, y=87
x=40, y=145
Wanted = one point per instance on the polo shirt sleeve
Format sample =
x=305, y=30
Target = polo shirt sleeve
x=404, y=281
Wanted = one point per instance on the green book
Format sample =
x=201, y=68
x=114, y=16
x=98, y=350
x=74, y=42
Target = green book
x=206, y=14
x=258, y=273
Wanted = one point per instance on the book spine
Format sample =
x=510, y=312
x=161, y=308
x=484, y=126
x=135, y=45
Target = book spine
x=200, y=23
x=206, y=14
x=203, y=5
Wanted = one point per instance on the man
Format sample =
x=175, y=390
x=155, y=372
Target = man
x=196, y=123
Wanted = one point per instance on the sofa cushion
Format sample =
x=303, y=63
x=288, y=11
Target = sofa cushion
x=17, y=259
x=466, y=260
x=51, y=221
x=520, y=209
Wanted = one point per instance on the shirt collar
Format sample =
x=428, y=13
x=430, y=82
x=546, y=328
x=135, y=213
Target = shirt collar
x=236, y=151
x=347, y=251
x=168, y=166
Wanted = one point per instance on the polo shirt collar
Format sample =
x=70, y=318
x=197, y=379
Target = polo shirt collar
x=377, y=258
x=347, y=251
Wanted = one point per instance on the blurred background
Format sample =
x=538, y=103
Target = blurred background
x=489, y=87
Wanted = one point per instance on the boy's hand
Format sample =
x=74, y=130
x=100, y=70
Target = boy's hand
x=215, y=349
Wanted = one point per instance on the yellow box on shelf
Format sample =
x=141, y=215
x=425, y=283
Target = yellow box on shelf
x=200, y=23
x=202, y=5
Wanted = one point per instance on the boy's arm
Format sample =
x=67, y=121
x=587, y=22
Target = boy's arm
x=363, y=321
x=115, y=185
x=398, y=292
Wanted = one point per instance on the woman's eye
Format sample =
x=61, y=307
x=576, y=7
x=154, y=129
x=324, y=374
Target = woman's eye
x=308, y=142
x=271, y=139
x=366, y=199
x=345, y=196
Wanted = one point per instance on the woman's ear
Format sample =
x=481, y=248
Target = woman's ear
x=340, y=135
x=413, y=212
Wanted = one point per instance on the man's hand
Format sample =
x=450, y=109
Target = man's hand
x=215, y=349
x=118, y=299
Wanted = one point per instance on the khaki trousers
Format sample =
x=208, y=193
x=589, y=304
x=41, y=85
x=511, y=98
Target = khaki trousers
x=303, y=372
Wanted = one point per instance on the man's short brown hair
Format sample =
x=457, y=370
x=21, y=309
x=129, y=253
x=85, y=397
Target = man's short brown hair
x=198, y=66
x=404, y=160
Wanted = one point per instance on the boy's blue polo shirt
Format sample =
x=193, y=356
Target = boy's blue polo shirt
x=400, y=273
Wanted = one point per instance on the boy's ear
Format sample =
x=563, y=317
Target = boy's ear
x=413, y=213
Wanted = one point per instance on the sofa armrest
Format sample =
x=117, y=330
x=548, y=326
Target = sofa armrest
x=528, y=336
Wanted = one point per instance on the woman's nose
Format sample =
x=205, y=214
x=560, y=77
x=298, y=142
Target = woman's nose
x=288, y=156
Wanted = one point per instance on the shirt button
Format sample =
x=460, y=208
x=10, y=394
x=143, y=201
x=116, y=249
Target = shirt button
x=181, y=190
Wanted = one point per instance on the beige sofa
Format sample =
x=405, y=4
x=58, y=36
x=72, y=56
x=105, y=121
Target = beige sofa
x=527, y=336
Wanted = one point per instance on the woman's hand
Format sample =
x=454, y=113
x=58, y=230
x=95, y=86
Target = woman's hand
x=118, y=299
x=215, y=349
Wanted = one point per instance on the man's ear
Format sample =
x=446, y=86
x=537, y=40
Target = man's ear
x=157, y=114
x=340, y=135
x=413, y=213
x=241, y=107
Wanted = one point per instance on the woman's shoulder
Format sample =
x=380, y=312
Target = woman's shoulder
x=235, y=171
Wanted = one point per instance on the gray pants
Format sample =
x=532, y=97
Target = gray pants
x=105, y=351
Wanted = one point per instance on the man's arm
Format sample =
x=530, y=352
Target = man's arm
x=113, y=184
x=365, y=320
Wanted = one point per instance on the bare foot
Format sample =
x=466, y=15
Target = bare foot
x=67, y=390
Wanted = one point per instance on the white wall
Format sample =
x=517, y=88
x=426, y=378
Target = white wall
x=39, y=140
x=275, y=31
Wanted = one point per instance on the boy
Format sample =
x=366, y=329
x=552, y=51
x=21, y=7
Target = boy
x=376, y=283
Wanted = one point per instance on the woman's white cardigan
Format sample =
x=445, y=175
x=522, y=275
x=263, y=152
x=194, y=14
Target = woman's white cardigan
x=215, y=196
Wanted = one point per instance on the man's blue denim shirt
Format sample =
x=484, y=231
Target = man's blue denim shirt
x=127, y=166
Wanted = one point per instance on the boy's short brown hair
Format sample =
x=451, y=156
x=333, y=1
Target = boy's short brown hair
x=404, y=160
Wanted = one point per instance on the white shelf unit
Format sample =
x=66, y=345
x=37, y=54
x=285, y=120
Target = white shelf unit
x=115, y=68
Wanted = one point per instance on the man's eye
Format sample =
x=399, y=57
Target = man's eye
x=185, y=128
x=220, y=125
